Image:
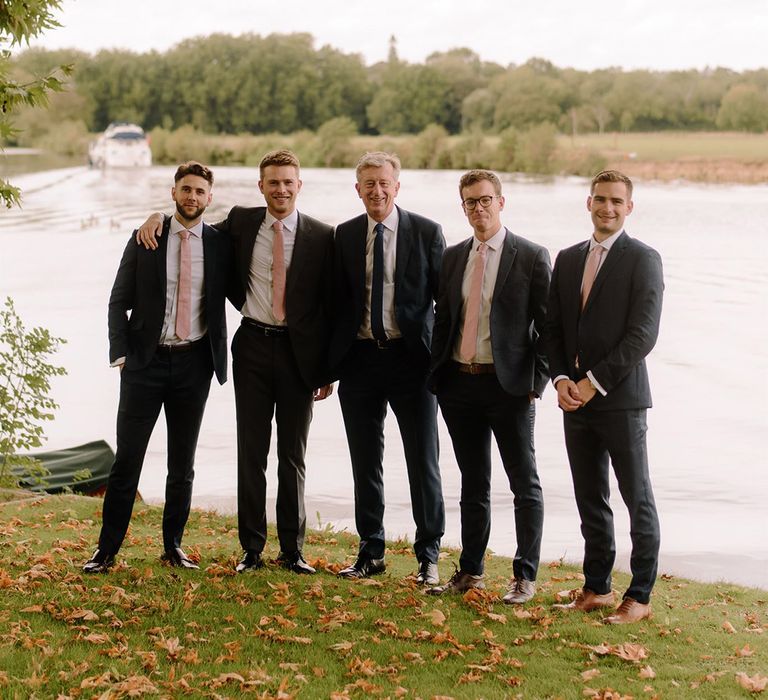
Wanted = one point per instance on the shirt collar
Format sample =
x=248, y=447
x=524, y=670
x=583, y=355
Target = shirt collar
x=495, y=242
x=389, y=222
x=607, y=243
x=290, y=222
x=196, y=230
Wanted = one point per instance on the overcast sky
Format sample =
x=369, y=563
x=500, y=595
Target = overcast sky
x=655, y=34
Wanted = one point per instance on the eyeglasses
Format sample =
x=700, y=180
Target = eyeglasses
x=485, y=202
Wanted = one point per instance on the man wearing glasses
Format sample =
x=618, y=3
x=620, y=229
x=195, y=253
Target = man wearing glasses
x=487, y=368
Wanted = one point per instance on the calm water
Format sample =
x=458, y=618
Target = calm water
x=709, y=371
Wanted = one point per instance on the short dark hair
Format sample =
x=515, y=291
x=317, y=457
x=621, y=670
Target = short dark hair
x=280, y=157
x=192, y=167
x=472, y=176
x=611, y=176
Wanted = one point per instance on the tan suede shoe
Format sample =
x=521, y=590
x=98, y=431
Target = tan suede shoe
x=587, y=601
x=629, y=611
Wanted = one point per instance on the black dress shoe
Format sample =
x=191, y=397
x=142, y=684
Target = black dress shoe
x=363, y=568
x=99, y=562
x=176, y=557
x=294, y=561
x=428, y=574
x=250, y=562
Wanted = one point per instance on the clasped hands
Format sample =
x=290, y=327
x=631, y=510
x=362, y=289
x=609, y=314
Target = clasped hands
x=571, y=395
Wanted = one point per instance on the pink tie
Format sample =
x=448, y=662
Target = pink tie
x=184, y=305
x=468, y=347
x=590, y=272
x=278, y=272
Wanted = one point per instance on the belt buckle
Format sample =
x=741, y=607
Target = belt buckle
x=474, y=368
x=381, y=344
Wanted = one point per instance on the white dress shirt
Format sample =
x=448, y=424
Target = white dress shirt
x=258, y=296
x=390, y=257
x=495, y=243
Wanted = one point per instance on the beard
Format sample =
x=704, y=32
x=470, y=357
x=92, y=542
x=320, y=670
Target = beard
x=187, y=217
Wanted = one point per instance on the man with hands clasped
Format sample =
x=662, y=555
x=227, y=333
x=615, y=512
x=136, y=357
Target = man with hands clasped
x=602, y=320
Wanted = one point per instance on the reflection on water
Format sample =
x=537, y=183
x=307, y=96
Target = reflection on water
x=709, y=371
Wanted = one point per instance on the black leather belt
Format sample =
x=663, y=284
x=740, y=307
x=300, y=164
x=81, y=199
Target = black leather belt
x=181, y=347
x=263, y=328
x=381, y=344
x=476, y=368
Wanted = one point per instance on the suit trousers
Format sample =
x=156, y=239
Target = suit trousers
x=267, y=384
x=592, y=438
x=372, y=378
x=179, y=383
x=474, y=408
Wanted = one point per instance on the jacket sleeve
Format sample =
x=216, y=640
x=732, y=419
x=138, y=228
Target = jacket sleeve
x=540, y=279
x=121, y=301
x=553, y=343
x=436, y=250
x=642, y=323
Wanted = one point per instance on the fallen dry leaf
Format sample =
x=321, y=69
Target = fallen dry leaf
x=744, y=651
x=647, y=673
x=436, y=617
x=728, y=627
x=754, y=684
x=590, y=674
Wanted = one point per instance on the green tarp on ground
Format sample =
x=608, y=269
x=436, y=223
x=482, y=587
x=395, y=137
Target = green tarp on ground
x=64, y=465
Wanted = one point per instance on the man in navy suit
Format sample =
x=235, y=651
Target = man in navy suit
x=167, y=349
x=488, y=367
x=386, y=275
x=602, y=320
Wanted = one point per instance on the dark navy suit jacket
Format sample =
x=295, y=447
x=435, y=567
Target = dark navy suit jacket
x=420, y=246
x=618, y=326
x=140, y=287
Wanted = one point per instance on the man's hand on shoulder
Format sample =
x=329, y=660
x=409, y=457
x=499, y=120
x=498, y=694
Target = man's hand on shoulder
x=150, y=231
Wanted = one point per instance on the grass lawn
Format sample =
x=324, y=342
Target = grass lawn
x=673, y=145
x=147, y=629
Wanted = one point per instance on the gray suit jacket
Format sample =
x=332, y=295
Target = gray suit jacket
x=518, y=310
x=618, y=326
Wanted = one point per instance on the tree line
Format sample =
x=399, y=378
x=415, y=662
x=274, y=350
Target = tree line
x=281, y=83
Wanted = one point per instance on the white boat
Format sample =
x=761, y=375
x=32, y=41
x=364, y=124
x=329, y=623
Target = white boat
x=122, y=145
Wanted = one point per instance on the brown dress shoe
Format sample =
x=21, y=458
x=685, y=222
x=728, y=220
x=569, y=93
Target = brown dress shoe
x=460, y=582
x=629, y=611
x=587, y=601
x=520, y=591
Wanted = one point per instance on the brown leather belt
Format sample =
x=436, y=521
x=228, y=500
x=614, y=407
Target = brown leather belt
x=476, y=368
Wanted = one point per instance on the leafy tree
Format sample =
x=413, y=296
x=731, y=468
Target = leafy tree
x=24, y=391
x=21, y=20
x=744, y=108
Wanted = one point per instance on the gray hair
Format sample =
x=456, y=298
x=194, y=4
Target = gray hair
x=378, y=159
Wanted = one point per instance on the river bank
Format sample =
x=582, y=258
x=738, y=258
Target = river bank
x=696, y=157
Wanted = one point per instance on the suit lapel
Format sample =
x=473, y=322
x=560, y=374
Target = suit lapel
x=508, y=254
x=298, y=258
x=247, y=241
x=403, y=247
x=612, y=259
x=209, y=261
x=161, y=260
x=457, y=278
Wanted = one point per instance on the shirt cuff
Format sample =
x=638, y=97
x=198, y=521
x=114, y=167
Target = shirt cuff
x=558, y=378
x=595, y=383
x=119, y=362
